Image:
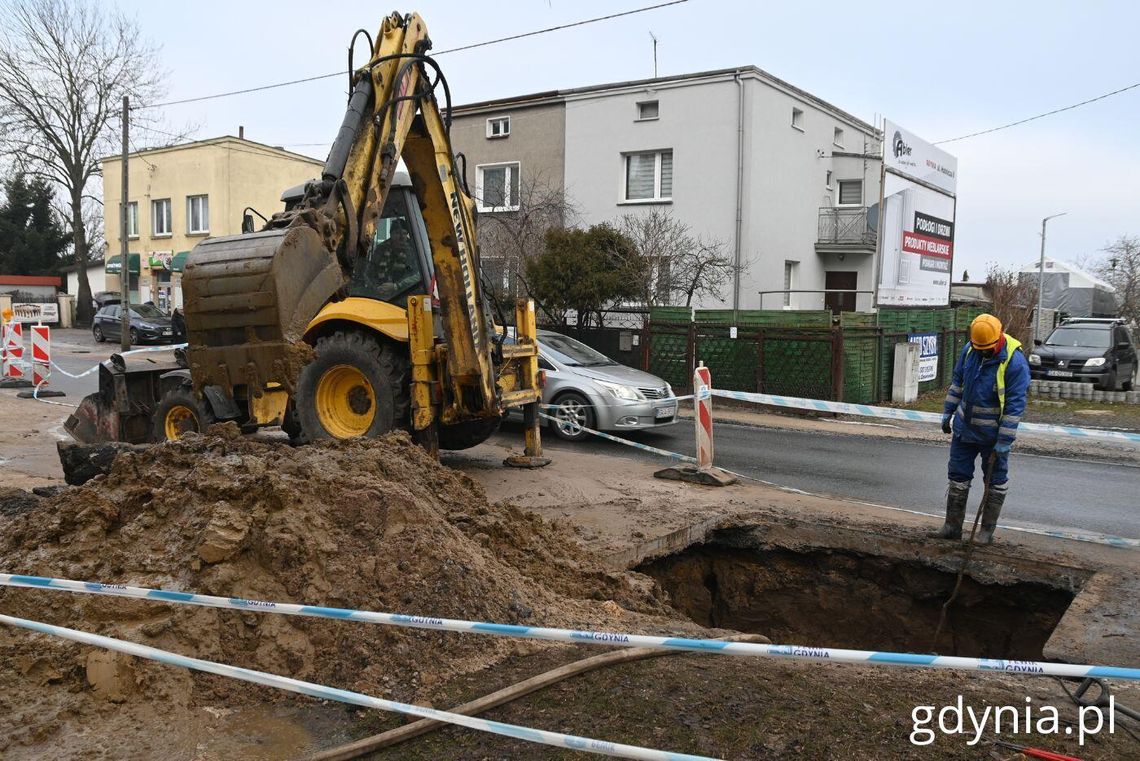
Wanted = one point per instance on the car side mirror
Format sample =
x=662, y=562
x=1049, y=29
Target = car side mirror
x=1038, y=342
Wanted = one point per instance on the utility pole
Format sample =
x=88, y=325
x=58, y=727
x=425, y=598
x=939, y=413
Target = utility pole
x=124, y=234
x=1041, y=276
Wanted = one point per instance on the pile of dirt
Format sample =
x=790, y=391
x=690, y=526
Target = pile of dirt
x=375, y=525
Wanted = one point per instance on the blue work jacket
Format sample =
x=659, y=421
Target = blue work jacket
x=987, y=395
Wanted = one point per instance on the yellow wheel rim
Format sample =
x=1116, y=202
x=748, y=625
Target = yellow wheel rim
x=346, y=402
x=179, y=419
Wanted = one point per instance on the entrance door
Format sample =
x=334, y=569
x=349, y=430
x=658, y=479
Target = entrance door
x=840, y=302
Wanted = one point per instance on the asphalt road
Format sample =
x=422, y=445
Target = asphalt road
x=1045, y=492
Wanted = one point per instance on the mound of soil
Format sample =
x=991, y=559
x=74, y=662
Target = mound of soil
x=373, y=525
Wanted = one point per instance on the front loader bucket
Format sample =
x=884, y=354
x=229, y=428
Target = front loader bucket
x=93, y=422
x=249, y=299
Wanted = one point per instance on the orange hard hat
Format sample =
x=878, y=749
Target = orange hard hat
x=985, y=331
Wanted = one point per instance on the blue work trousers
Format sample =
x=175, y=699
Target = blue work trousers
x=963, y=455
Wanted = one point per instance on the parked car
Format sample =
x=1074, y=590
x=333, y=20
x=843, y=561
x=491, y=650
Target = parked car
x=585, y=388
x=148, y=324
x=1088, y=350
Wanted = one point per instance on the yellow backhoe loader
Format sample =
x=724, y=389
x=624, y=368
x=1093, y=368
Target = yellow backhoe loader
x=356, y=310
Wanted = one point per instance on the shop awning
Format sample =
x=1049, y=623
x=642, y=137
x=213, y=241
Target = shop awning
x=179, y=262
x=114, y=264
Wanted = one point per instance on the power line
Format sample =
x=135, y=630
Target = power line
x=442, y=52
x=1041, y=116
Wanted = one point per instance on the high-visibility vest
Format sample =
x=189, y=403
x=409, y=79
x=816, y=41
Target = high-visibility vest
x=1011, y=345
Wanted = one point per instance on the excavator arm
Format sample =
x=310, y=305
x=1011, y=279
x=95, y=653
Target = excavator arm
x=250, y=299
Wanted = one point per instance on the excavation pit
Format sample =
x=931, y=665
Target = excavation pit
x=837, y=596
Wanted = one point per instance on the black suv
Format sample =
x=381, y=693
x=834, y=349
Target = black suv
x=148, y=324
x=1089, y=350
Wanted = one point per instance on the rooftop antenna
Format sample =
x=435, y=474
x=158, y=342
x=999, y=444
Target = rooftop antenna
x=654, y=38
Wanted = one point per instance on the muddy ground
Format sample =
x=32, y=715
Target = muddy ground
x=377, y=526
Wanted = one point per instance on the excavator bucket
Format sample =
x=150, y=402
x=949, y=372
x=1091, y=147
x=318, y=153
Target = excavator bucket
x=249, y=299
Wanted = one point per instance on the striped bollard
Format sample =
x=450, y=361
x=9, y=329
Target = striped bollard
x=13, y=350
x=702, y=407
x=41, y=354
x=704, y=472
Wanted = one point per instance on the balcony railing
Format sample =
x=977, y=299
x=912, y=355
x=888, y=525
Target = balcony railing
x=845, y=226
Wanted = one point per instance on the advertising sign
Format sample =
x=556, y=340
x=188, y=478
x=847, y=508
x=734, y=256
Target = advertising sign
x=35, y=312
x=927, y=355
x=916, y=237
x=909, y=155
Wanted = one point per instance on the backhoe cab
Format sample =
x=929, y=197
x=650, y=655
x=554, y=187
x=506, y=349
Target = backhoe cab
x=326, y=322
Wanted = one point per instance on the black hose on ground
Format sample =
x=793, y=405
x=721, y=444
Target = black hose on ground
x=501, y=697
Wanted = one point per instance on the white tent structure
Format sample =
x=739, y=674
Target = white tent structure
x=1070, y=290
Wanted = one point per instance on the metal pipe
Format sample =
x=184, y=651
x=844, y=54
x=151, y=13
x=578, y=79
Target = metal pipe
x=1041, y=275
x=354, y=119
x=739, y=194
x=124, y=235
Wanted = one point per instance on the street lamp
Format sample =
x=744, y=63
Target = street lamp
x=1041, y=275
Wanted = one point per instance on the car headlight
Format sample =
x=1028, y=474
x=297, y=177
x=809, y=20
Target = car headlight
x=619, y=391
x=1094, y=362
x=1034, y=359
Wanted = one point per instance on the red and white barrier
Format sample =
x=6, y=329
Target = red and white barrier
x=13, y=350
x=41, y=354
x=702, y=401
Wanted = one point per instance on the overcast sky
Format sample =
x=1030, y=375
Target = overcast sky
x=941, y=70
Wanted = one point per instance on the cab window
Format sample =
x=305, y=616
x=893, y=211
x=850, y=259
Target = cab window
x=392, y=270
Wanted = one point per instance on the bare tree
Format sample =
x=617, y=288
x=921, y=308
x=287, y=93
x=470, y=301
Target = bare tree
x=65, y=66
x=1119, y=266
x=508, y=239
x=678, y=265
x=1014, y=300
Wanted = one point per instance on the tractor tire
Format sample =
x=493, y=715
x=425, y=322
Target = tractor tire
x=355, y=387
x=180, y=412
x=468, y=434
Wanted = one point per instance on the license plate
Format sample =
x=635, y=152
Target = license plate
x=166, y=332
x=1059, y=373
x=666, y=412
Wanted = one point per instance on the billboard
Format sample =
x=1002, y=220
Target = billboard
x=916, y=233
x=35, y=312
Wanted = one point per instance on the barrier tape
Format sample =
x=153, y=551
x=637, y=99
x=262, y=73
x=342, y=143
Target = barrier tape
x=627, y=442
x=143, y=350
x=892, y=413
x=322, y=692
x=36, y=396
x=615, y=639
x=663, y=401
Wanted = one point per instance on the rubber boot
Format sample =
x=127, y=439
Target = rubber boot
x=956, y=497
x=990, y=512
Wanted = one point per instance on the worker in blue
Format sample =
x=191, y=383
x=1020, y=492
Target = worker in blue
x=982, y=409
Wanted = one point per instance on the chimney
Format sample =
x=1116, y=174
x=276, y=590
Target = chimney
x=241, y=132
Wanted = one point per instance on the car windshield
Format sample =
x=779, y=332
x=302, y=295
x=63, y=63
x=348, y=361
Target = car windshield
x=570, y=352
x=146, y=311
x=1092, y=338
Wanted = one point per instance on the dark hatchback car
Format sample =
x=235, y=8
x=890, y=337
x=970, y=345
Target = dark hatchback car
x=1099, y=351
x=148, y=324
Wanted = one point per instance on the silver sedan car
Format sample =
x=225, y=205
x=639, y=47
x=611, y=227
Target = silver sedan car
x=586, y=389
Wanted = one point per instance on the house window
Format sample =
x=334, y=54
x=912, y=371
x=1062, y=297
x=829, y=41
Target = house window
x=197, y=214
x=499, y=126
x=798, y=118
x=133, y=219
x=647, y=111
x=649, y=176
x=160, y=217
x=789, y=280
x=850, y=192
x=497, y=187
x=828, y=183
x=838, y=138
